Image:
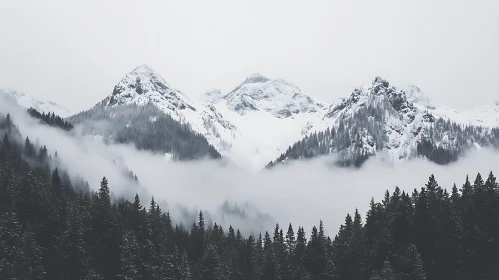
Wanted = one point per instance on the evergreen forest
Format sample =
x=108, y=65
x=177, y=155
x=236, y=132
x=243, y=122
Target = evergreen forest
x=56, y=227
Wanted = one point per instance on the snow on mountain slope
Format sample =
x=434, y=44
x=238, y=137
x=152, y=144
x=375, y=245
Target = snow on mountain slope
x=269, y=115
x=27, y=101
x=401, y=122
x=277, y=97
x=143, y=85
x=258, y=120
x=486, y=115
x=379, y=117
x=251, y=125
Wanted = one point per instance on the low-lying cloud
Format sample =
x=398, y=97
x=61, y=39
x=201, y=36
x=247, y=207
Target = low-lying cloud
x=302, y=192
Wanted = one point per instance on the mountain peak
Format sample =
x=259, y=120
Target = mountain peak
x=140, y=86
x=143, y=68
x=275, y=96
x=255, y=78
x=145, y=71
x=380, y=81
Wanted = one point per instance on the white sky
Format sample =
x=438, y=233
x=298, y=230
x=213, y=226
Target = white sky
x=74, y=52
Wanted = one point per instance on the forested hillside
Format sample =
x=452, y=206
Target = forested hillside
x=146, y=127
x=364, y=134
x=50, y=119
x=54, y=228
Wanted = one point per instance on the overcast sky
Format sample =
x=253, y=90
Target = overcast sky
x=74, y=52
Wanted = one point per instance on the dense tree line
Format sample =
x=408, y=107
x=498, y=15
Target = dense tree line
x=456, y=139
x=52, y=227
x=50, y=119
x=148, y=128
x=364, y=133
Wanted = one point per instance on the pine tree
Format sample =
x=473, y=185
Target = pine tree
x=235, y=272
x=330, y=271
x=19, y=254
x=412, y=265
x=301, y=243
x=104, y=197
x=315, y=255
x=387, y=273
x=169, y=265
x=130, y=258
x=105, y=236
x=290, y=239
x=185, y=271
x=210, y=266
x=76, y=255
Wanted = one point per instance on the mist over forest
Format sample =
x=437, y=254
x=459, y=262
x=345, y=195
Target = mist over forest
x=302, y=192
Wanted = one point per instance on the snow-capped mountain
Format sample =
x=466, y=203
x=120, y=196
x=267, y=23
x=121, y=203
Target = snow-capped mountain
x=379, y=117
x=400, y=127
x=143, y=87
x=261, y=118
x=276, y=97
x=250, y=125
x=268, y=115
x=27, y=101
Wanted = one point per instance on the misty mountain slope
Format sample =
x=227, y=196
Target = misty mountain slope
x=147, y=127
x=268, y=114
x=251, y=125
x=172, y=114
x=50, y=119
x=379, y=118
x=42, y=106
x=261, y=118
x=143, y=85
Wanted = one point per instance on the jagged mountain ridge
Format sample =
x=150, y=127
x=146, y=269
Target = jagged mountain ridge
x=260, y=118
x=227, y=121
x=401, y=123
x=277, y=97
x=144, y=87
x=43, y=106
